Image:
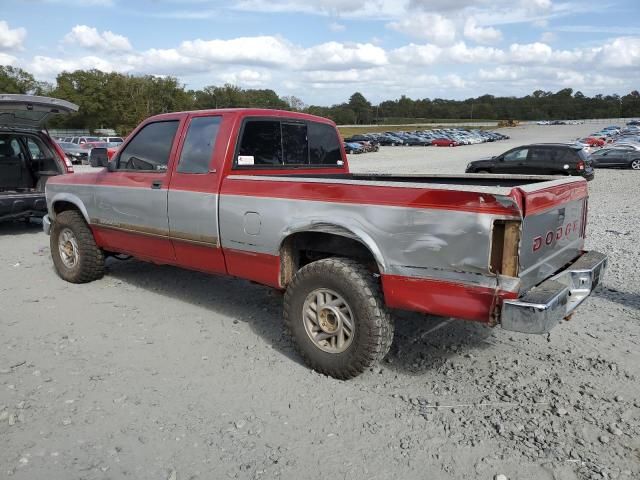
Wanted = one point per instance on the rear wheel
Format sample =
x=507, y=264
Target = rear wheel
x=76, y=256
x=333, y=310
x=635, y=164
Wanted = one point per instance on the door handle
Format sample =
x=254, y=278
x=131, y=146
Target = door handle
x=156, y=184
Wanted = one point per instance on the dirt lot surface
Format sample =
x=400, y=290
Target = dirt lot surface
x=159, y=373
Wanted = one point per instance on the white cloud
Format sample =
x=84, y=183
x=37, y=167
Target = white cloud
x=6, y=59
x=264, y=50
x=481, y=34
x=530, y=53
x=247, y=77
x=417, y=54
x=337, y=27
x=90, y=38
x=335, y=55
x=623, y=52
x=48, y=67
x=11, y=39
x=429, y=26
x=460, y=53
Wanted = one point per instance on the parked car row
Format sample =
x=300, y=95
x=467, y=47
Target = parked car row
x=81, y=153
x=83, y=140
x=440, y=137
x=560, y=122
x=361, y=146
x=613, y=146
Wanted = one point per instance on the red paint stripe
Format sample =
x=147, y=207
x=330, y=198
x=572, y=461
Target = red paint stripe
x=435, y=297
x=259, y=267
x=369, y=195
x=552, y=197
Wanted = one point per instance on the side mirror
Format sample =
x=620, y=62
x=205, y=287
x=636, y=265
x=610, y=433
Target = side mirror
x=98, y=157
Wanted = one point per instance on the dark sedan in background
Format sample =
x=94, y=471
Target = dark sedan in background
x=538, y=159
x=75, y=152
x=623, y=156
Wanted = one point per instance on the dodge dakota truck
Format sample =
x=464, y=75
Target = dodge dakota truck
x=267, y=196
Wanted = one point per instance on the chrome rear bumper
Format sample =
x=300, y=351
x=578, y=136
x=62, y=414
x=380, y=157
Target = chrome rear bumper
x=46, y=224
x=542, y=307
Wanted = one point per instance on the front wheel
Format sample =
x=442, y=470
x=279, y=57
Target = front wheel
x=76, y=256
x=333, y=310
x=635, y=164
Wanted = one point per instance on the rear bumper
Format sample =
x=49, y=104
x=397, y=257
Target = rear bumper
x=46, y=224
x=542, y=307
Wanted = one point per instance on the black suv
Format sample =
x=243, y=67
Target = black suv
x=28, y=155
x=538, y=159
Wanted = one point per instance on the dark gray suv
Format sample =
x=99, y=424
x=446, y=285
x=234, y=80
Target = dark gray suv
x=538, y=159
x=28, y=155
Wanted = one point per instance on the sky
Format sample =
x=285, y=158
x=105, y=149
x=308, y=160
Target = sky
x=322, y=51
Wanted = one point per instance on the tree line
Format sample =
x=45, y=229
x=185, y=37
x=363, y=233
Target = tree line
x=119, y=101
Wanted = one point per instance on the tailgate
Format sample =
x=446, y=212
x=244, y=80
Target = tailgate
x=553, y=228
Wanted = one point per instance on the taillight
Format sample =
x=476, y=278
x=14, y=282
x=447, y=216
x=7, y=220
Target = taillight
x=68, y=165
x=580, y=165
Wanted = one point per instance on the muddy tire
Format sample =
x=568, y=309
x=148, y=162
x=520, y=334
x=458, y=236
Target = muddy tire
x=335, y=314
x=76, y=256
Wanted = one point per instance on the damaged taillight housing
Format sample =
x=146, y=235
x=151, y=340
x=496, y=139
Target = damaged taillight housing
x=505, y=245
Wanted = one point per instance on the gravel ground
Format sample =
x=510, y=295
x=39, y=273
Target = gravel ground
x=159, y=373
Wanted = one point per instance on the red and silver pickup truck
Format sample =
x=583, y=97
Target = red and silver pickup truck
x=267, y=196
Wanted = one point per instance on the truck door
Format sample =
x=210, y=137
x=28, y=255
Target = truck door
x=130, y=210
x=193, y=197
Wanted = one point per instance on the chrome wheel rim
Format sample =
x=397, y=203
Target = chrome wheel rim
x=635, y=164
x=68, y=248
x=328, y=320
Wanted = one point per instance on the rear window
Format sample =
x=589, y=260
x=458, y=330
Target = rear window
x=266, y=143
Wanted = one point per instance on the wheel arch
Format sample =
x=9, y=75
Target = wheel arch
x=67, y=201
x=326, y=238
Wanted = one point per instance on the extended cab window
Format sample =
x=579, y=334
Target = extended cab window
x=149, y=150
x=324, y=146
x=288, y=142
x=198, y=146
x=261, y=143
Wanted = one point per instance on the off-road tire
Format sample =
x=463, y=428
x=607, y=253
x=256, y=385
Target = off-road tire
x=373, y=333
x=90, y=265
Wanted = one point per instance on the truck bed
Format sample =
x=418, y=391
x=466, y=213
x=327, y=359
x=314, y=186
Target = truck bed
x=483, y=180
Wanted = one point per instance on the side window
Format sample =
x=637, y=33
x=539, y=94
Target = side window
x=540, y=155
x=295, y=149
x=198, y=145
x=149, y=150
x=34, y=149
x=324, y=146
x=261, y=143
x=516, y=155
